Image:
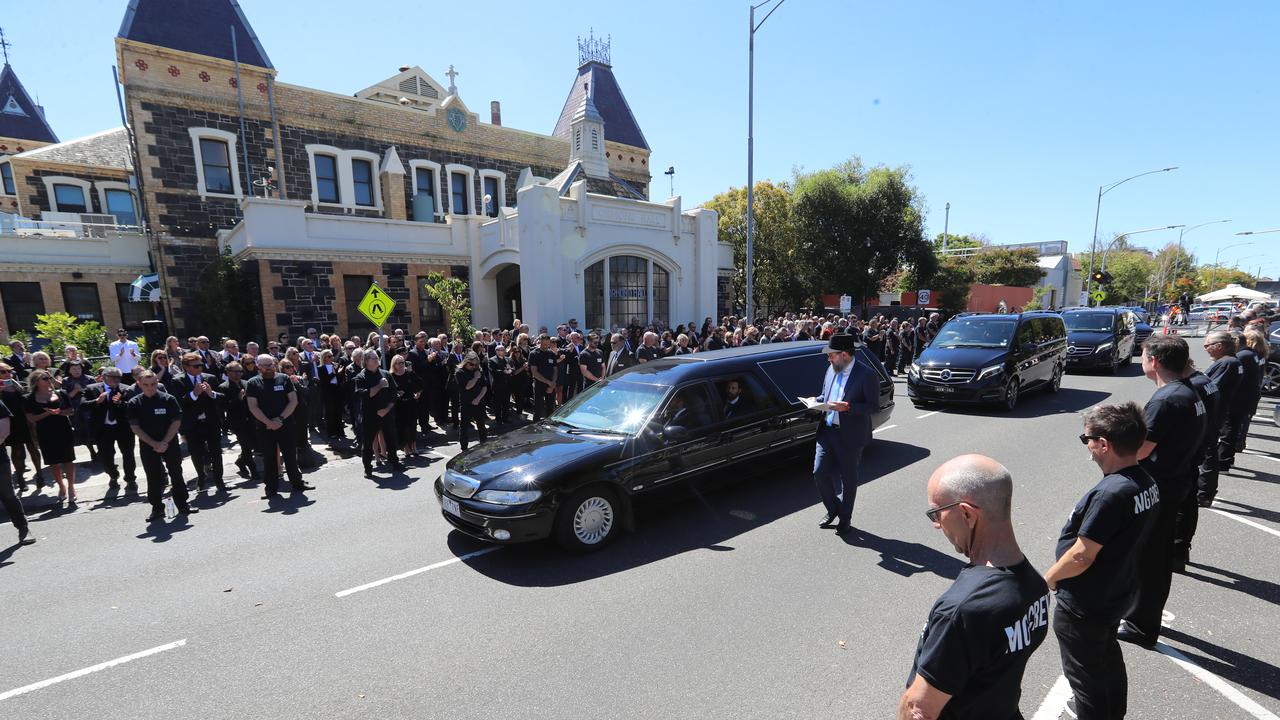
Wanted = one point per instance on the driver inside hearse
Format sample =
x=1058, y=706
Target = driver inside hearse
x=687, y=411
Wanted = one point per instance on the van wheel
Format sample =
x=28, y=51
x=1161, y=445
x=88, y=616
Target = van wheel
x=1055, y=382
x=1011, y=395
x=589, y=520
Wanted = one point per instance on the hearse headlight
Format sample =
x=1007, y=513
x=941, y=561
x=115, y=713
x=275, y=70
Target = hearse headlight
x=508, y=497
x=992, y=371
x=1103, y=346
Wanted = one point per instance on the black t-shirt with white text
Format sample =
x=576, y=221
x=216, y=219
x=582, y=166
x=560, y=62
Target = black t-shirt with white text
x=153, y=414
x=272, y=395
x=544, y=361
x=1211, y=395
x=594, y=360
x=978, y=638
x=1117, y=514
x=1176, y=420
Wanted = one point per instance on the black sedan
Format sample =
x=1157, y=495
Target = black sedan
x=578, y=474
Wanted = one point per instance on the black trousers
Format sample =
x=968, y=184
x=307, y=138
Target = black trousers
x=243, y=431
x=472, y=414
x=1228, y=440
x=373, y=424
x=154, y=466
x=112, y=437
x=315, y=406
x=204, y=443
x=439, y=402
x=544, y=403
x=332, y=411
x=501, y=400
x=1093, y=664
x=904, y=359
x=268, y=443
x=10, y=500
x=423, y=408
x=1210, y=463
x=1155, y=561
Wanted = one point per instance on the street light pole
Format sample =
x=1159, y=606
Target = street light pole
x=946, y=225
x=752, y=27
x=1217, y=254
x=1184, y=231
x=1097, y=213
x=1117, y=239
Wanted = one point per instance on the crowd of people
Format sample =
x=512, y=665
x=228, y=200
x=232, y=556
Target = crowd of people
x=274, y=400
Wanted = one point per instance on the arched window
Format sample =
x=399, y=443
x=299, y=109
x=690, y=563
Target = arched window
x=632, y=289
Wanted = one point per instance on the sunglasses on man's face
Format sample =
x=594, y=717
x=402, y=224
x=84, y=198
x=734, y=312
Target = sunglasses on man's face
x=1085, y=438
x=934, y=513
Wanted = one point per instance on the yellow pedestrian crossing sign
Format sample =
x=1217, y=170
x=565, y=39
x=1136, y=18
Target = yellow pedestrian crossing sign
x=1099, y=296
x=376, y=305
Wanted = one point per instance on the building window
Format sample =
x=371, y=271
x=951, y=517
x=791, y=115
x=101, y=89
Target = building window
x=6, y=176
x=362, y=182
x=69, y=198
x=132, y=314
x=426, y=202
x=355, y=287
x=22, y=303
x=430, y=314
x=120, y=203
x=460, y=193
x=327, y=179
x=661, y=294
x=593, y=284
x=724, y=295
x=215, y=159
x=493, y=200
x=81, y=301
x=629, y=290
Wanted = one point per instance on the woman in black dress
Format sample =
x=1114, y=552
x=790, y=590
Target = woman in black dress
x=21, y=441
x=50, y=411
x=74, y=382
x=162, y=366
x=408, y=389
x=518, y=362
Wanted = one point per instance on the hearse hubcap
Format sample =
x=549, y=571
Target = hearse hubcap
x=593, y=520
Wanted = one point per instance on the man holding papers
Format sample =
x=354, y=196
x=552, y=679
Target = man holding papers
x=850, y=394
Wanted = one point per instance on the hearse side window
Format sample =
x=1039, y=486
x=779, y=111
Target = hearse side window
x=690, y=408
x=752, y=397
x=798, y=376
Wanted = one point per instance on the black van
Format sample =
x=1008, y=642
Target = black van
x=987, y=358
x=577, y=474
x=1100, y=337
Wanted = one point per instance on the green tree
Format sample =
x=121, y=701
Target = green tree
x=1002, y=266
x=855, y=227
x=956, y=242
x=952, y=282
x=779, y=280
x=1037, y=298
x=455, y=301
x=62, y=329
x=1173, y=263
x=1133, y=276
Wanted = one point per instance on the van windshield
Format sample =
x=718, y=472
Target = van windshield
x=1089, y=322
x=981, y=331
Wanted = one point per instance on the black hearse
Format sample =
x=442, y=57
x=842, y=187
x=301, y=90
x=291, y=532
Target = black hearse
x=990, y=358
x=577, y=474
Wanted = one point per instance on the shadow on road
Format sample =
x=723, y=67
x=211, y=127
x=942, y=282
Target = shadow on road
x=1239, y=508
x=906, y=558
x=288, y=504
x=705, y=518
x=1236, y=667
x=1261, y=589
x=1036, y=403
x=159, y=532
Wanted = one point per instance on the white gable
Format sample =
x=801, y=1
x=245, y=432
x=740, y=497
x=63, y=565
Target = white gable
x=411, y=88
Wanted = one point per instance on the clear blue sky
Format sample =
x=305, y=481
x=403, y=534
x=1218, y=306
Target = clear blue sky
x=1014, y=112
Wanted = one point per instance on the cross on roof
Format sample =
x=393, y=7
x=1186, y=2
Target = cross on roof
x=4, y=46
x=453, y=90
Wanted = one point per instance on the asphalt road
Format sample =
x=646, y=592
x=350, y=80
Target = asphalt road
x=731, y=604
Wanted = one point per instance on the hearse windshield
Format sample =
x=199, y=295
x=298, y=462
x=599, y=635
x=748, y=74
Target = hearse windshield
x=1089, y=322
x=611, y=407
x=983, y=331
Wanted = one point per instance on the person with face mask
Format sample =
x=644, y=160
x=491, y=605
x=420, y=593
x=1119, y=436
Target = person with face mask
x=982, y=631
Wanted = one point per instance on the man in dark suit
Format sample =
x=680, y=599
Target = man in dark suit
x=109, y=425
x=853, y=391
x=619, y=358
x=736, y=404
x=201, y=420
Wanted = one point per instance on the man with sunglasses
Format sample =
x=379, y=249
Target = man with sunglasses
x=982, y=631
x=124, y=352
x=1097, y=561
x=201, y=422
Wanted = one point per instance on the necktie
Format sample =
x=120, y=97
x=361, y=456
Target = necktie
x=837, y=384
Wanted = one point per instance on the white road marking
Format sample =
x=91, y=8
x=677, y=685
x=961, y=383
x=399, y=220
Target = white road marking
x=1222, y=686
x=1055, y=702
x=93, y=669
x=1246, y=521
x=886, y=427
x=1255, y=453
x=411, y=573
x=921, y=417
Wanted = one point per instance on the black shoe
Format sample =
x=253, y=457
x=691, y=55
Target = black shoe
x=188, y=510
x=1204, y=502
x=244, y=470
x=155, y=517
x=844, y=529
x=368, y=470
x=200, y=485
x=222, y=489
x=24, y=537
x=1130, y=634
x=828, y=519
x=1070, y=709
x=131, y=483
x=303, y=487
x=398, y=466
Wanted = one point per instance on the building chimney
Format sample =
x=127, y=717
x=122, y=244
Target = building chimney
x=495, y=112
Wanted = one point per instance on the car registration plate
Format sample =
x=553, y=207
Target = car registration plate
x=451, y=506
x=945, y=389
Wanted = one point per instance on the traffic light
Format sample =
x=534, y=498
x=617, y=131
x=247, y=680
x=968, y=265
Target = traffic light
x=1101, y=277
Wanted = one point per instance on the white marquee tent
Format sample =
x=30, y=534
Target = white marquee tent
x=1232, y=292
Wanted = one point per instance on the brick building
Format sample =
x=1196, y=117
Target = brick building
x=316, y=194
